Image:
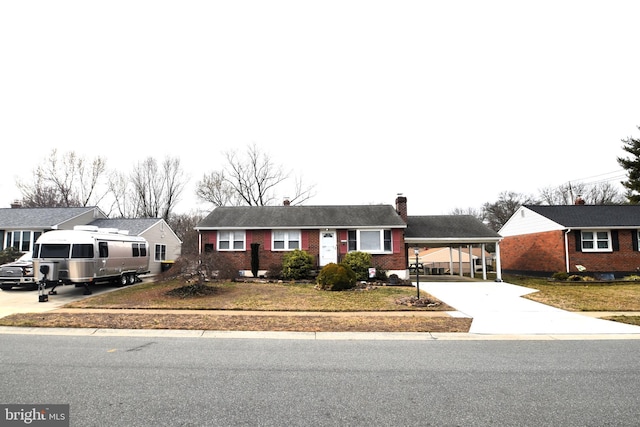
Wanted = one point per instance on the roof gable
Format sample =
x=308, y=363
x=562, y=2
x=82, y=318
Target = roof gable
x=268, y=217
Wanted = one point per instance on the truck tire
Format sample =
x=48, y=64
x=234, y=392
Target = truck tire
x=5, y=288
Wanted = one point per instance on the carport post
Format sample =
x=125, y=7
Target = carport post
x=417, y=252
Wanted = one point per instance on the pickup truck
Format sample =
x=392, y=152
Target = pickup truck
x=18, y=274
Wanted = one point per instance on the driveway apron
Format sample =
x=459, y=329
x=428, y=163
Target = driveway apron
x=498, y=308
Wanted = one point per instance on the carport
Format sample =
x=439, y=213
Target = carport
x=455, y=232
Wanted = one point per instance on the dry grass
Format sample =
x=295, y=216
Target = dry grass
x=583, y=296
x=208, y=321
x=256, y=296
x=286, y=301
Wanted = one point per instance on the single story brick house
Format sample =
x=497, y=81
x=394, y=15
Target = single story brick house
x=600, y=240
x=329, y=232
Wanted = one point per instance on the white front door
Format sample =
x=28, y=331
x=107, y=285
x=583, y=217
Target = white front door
x=328, y=248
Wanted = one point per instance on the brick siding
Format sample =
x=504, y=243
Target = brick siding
x=241, y=260
x=545, y=253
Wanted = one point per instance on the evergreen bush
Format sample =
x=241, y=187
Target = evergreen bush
x=359, y=262
x=297, y=264
x=336, y=277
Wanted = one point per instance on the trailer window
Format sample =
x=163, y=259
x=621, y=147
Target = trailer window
x=84, y=250
x=139, y=249
x=103, y=250
x=55, y=251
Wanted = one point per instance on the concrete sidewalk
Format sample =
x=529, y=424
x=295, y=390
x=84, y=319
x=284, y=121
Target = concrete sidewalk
x=498, y=308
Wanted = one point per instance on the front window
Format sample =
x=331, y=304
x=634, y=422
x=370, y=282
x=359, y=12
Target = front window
x=231, y=240
x=21, y=240
x=369, y=240
x=161, y=252
x=596, y=241
x=286, y=240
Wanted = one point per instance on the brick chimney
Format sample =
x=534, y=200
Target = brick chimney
x=16, y=204
x=401, y=207
x=286, y=202
x=579, y=200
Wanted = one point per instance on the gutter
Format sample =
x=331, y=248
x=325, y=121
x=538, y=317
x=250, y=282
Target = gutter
x=566, y=249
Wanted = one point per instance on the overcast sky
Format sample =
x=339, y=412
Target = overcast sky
x=448, y=102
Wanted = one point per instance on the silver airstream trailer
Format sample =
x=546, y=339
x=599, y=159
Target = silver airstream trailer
x=87, y=255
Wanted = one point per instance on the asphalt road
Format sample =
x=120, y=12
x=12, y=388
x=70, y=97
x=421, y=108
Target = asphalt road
x=158, y=381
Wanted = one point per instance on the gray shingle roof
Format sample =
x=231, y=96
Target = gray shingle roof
x=135, y=226
x=581, y=216
x=256, y=217
x=463, y=227
x=38, y=218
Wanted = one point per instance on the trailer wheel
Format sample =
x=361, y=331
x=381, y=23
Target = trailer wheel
x=124, y=280
x=131, y=279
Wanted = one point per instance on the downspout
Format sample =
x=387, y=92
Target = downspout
x=566, y=248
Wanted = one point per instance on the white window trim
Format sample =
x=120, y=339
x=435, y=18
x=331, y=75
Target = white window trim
x=595, y=248
x=234, y=235
x=381, y=241
x=155, y=252
x=287, y=239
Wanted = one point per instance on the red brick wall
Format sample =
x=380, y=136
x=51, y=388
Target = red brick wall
x=538, y=252
x=545, y=253
x=310, y=243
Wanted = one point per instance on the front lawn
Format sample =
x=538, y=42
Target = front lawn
x=582, y=296
x=256, y=296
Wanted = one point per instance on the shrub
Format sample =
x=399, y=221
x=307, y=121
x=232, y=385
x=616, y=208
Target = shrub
x=359, y=262
x=9, y=254
x=336, y=277
x=297, y=264
x=560, y=275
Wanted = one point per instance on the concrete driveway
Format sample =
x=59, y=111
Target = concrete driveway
x=27, y=301
x=498, y=308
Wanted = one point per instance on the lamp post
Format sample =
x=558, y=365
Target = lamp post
x=417, y=252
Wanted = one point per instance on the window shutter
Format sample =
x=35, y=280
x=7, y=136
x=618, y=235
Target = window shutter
x=397, y=241
x=578, y=240
x=634, y=239
x=615, y=242
x=267, y=240
x=304, y=236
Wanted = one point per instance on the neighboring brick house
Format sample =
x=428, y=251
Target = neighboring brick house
x=590, y=239
x=326, y=232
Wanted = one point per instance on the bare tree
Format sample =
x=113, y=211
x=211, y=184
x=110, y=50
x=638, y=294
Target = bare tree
x=65, y=180
x=604, y=193
x=156, y=189
x=184, y=227
x=468, y=211
x=498, y=213
x=250, y=181
x=600, y=193
x=564, y=194
x=214, y=189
